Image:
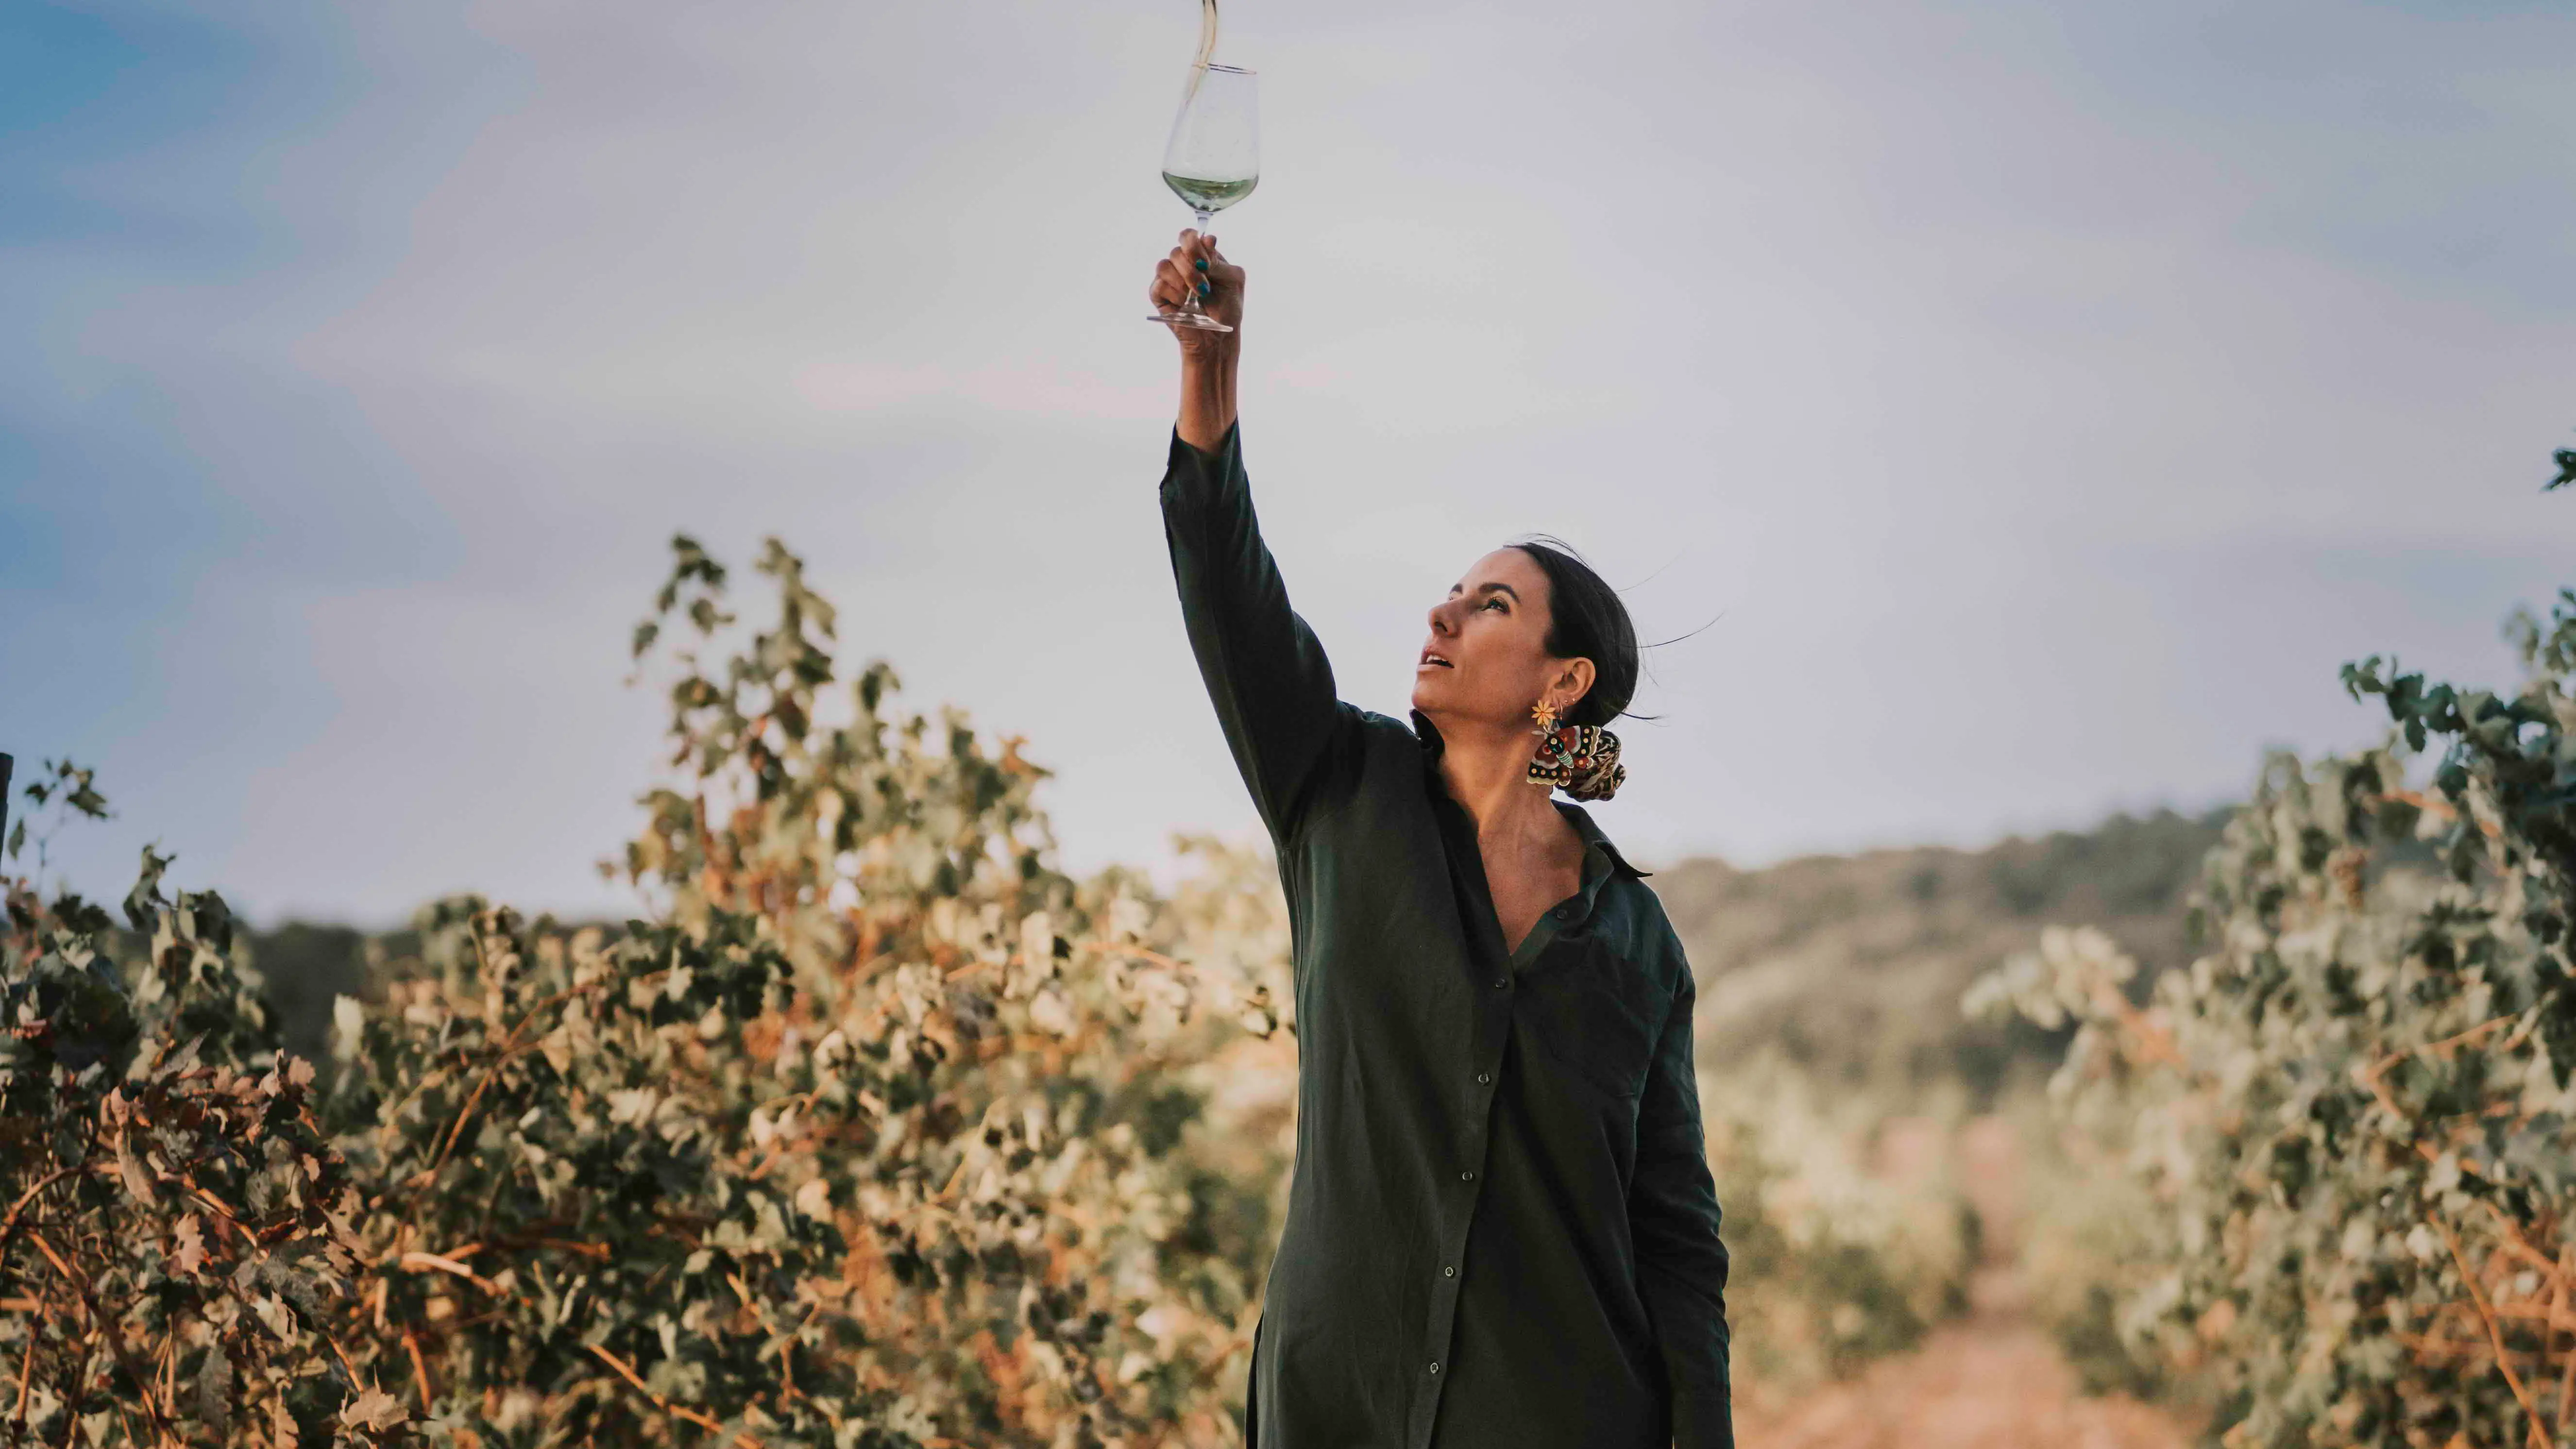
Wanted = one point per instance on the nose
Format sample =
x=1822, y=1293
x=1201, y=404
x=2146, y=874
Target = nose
x=1444, y=619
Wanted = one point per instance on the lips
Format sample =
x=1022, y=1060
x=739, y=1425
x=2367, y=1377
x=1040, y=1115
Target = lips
x=1431, y=659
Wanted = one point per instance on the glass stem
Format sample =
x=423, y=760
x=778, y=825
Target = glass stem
x=1194, y=308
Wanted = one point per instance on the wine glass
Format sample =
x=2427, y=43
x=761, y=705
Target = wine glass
x=1212, y=161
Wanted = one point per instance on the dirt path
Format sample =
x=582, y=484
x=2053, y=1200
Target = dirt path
x=1991, y=1380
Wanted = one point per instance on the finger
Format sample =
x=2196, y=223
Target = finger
x=1201, y=285
x=1178, y=281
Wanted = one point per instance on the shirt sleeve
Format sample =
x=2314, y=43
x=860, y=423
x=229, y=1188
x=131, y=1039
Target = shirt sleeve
x=1673, y=1217
x=1264, y=668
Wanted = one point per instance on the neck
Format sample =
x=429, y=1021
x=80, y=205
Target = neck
x=1487, y=771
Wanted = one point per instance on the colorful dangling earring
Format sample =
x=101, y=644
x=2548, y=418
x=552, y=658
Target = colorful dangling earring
x=1581, y=760
x=1548, y=767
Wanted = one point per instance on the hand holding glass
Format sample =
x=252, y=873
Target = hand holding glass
x=1212, y=161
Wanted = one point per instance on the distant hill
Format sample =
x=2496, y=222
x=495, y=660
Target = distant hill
x=1853, y=965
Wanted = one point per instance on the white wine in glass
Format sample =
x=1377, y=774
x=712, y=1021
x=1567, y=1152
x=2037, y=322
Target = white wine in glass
x=1212, y=161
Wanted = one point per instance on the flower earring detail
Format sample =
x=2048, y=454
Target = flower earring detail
x=1543, y=768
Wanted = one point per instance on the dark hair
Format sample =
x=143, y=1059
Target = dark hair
x=1587, y=620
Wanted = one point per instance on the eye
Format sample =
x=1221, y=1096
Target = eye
x=1496, y=602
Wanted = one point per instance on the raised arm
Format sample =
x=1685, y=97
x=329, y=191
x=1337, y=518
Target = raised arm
x=1673, y=1217
x=1265, y=671
x=1207, y=358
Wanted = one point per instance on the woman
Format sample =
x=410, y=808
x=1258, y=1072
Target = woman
x=1501, y=1230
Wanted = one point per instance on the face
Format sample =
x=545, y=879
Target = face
x=1486, y=661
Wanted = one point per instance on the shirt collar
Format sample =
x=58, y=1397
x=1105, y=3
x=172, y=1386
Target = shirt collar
x=1581, y=819
x=1428, y=736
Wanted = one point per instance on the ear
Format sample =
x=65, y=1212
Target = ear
x=1570, y=685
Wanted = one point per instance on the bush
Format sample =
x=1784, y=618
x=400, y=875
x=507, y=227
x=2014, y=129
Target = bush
x=2354, y=1109
x=179, y=1230
x=1833, y=1263
x=875, y=1132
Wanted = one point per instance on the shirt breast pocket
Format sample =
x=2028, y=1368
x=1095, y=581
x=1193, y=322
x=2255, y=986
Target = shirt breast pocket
x=1588, y=1015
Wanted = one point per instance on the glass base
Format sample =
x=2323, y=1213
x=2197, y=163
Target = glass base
x=1199, y=321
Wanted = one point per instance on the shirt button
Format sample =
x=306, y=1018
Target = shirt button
x=1435, y=1365
x=1484, y=1076
x=1498, y=981
x=1466, y=1177
x=1565, y=913
x=1448, y=1272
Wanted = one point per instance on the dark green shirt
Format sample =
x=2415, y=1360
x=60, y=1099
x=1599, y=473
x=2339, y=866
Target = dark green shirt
x=1501, y=1231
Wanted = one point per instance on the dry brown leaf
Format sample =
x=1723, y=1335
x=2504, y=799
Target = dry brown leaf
x=373, y=1410
x=281, y=1425
x=129, y=1167
x=190, y=1253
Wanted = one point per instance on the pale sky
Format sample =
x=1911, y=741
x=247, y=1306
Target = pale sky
x=2043, y=398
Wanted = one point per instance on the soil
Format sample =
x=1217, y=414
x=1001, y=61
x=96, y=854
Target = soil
x=1992, y=1379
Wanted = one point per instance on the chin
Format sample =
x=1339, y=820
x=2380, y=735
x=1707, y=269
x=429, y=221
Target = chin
x=1436, y=690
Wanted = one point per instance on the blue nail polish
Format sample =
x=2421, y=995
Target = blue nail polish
x=1201, y=264
x=1205, y=291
